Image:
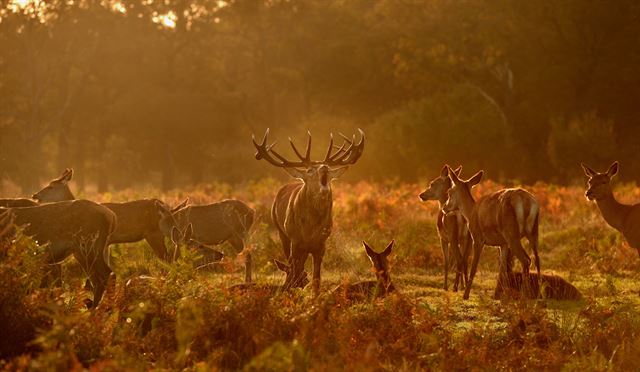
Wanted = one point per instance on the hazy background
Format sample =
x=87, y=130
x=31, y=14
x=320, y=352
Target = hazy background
x=169, y=92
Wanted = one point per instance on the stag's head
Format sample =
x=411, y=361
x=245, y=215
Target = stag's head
x=57, y=189
x=439, y=186
x=460, y=190
x=300, y=283
x=316, y=174
x=380, y=263
x=599, y=183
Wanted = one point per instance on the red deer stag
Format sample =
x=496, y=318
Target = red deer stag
x=370, y=288
x=302, y=211
x=79, y=227
x=148, y=219
x=622, y=217
x=499, y=219
x=453, y=231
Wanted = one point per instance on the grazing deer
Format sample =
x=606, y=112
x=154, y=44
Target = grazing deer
x=148, y=219
x=271, y=289
x=302, y=211
x=225, y=221
x=79, y=227
x=370, y=288
x=499, y=219
x=622, y=217
x=453, y=231
x=518, y=285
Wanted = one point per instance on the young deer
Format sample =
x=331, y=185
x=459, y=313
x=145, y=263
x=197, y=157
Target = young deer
x=79, y=227
x=453, y=231
x=499, y=219
x=370, y=288
x=533, y=286
x=302, y=211
x=148, y=219
x=622, y=217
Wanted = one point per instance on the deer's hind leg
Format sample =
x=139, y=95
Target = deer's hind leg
x=94, y=263
x=238, y=245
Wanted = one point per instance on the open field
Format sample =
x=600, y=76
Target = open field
x=184, y=319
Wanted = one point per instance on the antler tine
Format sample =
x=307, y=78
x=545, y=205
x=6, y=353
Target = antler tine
x=307, y=156
x=265, y=152
x=328, y=156
x=351, y=154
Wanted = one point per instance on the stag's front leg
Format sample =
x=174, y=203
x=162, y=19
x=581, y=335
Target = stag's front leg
x=317, y=265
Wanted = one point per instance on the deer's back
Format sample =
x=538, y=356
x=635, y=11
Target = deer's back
x=498, y=211
x=533, y=286
x=135, y=219
x=17, y=203
x=65, y=221
x=217, y=222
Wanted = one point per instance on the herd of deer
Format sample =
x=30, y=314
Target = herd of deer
x=302, y=215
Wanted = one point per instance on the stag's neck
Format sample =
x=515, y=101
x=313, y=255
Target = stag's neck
x=614, y=212
x=320, y=202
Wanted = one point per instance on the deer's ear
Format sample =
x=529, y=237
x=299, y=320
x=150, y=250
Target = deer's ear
x=613, y=169
x=163, y=212
x=387, y=250
x=181, y=205
x=175, y=235
x=444, y=173
x=295, y=173
x=475, y=179
x=453, y=175
x=67, y=175
x=458, y=170
x=337, y=172
x=281, y=265
x=588, y=171
x=370, y=252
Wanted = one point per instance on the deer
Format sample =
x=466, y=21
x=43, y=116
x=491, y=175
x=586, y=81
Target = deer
x=455, y=238
x=7, y=220
x=17, y=202
x=623, y=217
x=80, y=228
x=148, y=219
x=370, y=288
x=518, y=285
x=225, y=221
x=501, y=219
x=302, y=210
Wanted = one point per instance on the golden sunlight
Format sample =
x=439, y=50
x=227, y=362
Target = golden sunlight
x=168, y=19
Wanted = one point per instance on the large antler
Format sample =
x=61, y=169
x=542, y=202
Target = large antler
x=346, y=154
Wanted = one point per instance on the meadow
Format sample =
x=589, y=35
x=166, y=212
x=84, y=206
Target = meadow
x=178, y=318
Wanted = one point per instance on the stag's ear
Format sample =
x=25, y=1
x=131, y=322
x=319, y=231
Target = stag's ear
x=588, y=171
x=181, y=205
x=475, y=179
x=444, y=173
x=175, y=235
x=613, y=169
x=188, y=233
x=337, y=172
x=387, y=250
x=295, y=173
x=370, y=252
x=453, y=175
x=281, y=265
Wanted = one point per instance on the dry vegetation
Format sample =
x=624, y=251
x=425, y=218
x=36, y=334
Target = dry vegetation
x=176, y=318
